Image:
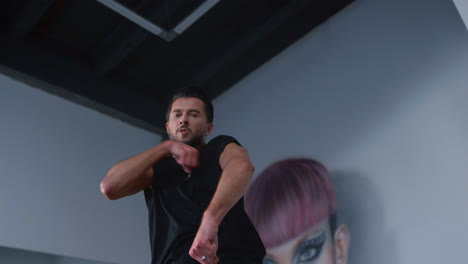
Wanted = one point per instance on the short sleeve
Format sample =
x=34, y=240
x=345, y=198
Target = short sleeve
x=218, y=144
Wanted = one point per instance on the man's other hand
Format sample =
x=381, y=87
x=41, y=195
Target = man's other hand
x=205, y=244
x=185, y=155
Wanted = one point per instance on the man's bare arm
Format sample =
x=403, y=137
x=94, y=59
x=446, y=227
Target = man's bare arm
x=135, y=174
x=235, y=179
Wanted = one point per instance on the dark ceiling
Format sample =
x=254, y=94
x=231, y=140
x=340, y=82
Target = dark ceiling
x=87, y=52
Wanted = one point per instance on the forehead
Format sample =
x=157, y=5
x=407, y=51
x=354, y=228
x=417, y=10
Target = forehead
x=188, y=103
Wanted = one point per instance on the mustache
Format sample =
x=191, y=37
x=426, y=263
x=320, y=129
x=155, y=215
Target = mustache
x=184, y=127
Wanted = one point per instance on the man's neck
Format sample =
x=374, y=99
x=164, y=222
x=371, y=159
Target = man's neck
x=198, y=146
x=201, y=145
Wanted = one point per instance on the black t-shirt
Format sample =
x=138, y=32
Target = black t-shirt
x=176, y=203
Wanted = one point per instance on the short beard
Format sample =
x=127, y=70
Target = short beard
x=196, y=141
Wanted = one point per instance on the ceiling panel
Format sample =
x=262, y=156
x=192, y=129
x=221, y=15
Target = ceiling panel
x=85, y=52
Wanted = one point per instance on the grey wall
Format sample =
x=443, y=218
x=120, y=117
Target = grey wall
x=379, y=94
x=16, y=256
x=53, y=154
x=19, y=256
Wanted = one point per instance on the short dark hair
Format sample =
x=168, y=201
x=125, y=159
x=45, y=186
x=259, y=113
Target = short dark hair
x=193, y=92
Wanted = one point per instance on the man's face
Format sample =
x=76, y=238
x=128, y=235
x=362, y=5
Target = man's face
x=313, y=246
x=188, y=122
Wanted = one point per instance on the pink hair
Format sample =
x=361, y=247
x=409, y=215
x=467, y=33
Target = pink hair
x=289, y=197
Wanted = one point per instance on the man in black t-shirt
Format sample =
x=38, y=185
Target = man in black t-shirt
x=193, y=190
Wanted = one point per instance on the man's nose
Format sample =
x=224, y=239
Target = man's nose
x=183, y=120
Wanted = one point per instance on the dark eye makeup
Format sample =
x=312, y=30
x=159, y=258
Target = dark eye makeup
x=309, y=250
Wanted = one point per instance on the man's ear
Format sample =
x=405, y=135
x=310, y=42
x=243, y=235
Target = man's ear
x=209, y=128
x=342, y=238
x=167, y=127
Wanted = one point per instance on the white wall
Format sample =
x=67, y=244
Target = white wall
x=53, y=154
x=379, y=94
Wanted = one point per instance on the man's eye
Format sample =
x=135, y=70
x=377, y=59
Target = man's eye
x=194, y=115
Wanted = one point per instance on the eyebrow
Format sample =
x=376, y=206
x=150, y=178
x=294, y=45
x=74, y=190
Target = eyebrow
x=190, y=110
x=175, y=111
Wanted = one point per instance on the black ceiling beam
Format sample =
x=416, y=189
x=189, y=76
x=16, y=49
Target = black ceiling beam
x=137, y=96
x=248, y=41
x=216, y=59
x=211, y=42
x=117, y=46
x=125, y=38
x=303, y=16
x=30, y=15
x=74, y=82
x=272, y=37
